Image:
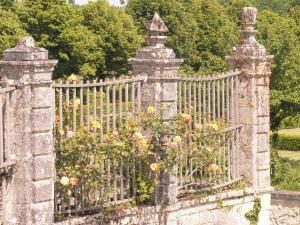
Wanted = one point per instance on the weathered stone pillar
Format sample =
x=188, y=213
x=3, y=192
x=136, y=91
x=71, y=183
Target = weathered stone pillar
x=158, y=65
x=29, y=193
x=252, y=60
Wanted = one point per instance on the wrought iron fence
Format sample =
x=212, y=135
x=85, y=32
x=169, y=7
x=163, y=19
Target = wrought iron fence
x=211, y=100
x=112, y=103
x=109, y=104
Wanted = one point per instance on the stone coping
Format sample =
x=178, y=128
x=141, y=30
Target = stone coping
x=47, y=62
x=285, y=194
x=209, y=202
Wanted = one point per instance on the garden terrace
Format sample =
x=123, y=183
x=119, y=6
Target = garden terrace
x=155, y=139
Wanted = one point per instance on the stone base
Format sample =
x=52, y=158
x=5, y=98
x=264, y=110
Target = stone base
x=205, y=210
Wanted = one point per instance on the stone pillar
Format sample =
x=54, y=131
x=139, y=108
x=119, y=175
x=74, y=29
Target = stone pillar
x=252, y=60
x=30, y=191
x=159, y=65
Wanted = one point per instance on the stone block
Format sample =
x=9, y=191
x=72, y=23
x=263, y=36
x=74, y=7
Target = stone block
x=42, y=75
x=263, y=142
x=167, y=109
x=43, y=167
x=42, y=143
x=263, y=178
x=263, y=160
x=169, y=92
x=43, y=97
x=43, y=213
x=42, y=190
x=42, y=119
x=263, y=105
x=247, y=115
x=263, y=124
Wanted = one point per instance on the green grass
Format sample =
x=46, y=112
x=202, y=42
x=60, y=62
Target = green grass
x=290, y=131
x=289, y=155
x=288, y=171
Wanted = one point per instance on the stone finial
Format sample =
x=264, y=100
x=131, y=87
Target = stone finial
x=26, y=42
x=249, y=15
x=156, y=25
x=25, y=50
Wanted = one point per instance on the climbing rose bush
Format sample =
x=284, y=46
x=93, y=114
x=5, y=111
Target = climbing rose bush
x=159, y=145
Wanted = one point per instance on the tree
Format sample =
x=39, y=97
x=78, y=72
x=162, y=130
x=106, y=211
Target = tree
x=11, y=30
x=81, y=51
x=116, y=29
x=279, y=35
x=200, y=30
x=46, y=20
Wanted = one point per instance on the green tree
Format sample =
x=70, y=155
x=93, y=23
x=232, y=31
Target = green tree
x=200, y=31
x=279, y=35
x=7, y=4
x=117, y=31
x=11, y=30
x=46, y=20
x=81, y=51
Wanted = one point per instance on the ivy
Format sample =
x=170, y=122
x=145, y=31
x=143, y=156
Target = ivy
x=253, y=214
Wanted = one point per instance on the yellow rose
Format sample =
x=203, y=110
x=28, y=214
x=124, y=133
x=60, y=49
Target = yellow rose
x=198, y=126
x=64, y=181
x=138, y=135
x=209, y=149
x=95, y=124
x=73, y=77
x=150, y=109
x=187, y=119
x=154, y=166
x=212, y=126
x=213, y=168
x=143, y=143
x=70, y=134
x=177, y=139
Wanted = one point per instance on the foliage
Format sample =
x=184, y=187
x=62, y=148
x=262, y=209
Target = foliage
x=11, y=30
x=288, y=141
x=279, y=35
x=156, y=144
x=253, y=214
x=277, y=167
x=285, y=172
x=290, y=122
x=45, y=21
x=91, y=40
x=116, y=29
x=200, y=31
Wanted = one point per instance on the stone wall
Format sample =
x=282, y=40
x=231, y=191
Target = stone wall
x=226, y=208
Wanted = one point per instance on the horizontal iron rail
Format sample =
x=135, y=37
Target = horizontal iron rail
x=98, y=84
x=209, y=188
x=91, y=208
x=211, y=78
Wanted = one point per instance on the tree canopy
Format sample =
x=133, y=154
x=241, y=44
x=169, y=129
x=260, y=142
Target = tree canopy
x=96, y=39
x=11, y=29
x=200, y=31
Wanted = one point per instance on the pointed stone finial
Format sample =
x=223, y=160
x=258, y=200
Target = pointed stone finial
x=249, y=16
x=26, y=50
x=156, y=25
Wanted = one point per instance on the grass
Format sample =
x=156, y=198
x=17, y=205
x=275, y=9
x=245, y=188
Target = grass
x=290, y=131
x=288, y=174
x=289, y=155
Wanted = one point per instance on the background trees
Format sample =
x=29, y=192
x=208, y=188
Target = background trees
x=96, y=40
x=200, y=31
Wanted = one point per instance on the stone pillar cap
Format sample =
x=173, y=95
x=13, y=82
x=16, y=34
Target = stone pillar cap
x=249, y=15
x=26, y=50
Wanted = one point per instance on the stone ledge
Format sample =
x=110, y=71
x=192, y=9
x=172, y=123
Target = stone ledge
x=195, y=206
